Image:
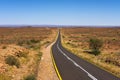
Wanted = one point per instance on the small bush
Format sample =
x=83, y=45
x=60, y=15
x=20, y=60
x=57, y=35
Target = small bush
x=68, y=43
x=30, y=77
x=11, y=60
x=95, y=52
x=95, y=45
x=46, y=42
x=63, y=36
x=34, y=41
x=4, y=47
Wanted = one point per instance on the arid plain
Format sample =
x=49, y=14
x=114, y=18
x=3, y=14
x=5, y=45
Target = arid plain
x=76, y=40
x=21, y=51
x=25, y=51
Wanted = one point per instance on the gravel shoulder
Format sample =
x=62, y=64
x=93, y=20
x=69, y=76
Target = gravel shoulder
x=46, y=68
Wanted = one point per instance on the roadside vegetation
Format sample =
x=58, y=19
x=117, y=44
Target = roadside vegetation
x=20, y=51
x=95, y=45
x=100, y=46
x=12, y=61
x=30, y=77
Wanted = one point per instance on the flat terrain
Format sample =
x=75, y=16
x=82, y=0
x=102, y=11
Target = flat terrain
x=71, y=67
x=76, y=40
x=20, y=51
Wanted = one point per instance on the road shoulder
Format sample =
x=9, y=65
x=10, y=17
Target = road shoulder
x=46, y=68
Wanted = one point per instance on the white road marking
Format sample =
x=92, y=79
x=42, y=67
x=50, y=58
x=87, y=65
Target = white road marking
x=91, y=76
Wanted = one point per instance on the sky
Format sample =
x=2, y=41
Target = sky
x=60, y=12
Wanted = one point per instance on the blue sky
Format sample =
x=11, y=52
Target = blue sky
x=60, y=12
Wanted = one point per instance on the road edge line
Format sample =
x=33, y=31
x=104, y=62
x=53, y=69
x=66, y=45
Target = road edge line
x=53, y=60
x=55, y=66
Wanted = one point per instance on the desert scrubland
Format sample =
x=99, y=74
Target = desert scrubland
x=77, y=41
x=20, y=51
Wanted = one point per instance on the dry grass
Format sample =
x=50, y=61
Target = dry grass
x=21, y=35
x=76, y=40
x=25, y=45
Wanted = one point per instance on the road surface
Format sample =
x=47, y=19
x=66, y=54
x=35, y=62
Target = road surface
x=71, y=67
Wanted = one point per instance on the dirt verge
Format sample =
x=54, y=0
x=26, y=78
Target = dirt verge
x=46, y=68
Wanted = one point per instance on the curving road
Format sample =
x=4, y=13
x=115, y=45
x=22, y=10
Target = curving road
x=71, y=67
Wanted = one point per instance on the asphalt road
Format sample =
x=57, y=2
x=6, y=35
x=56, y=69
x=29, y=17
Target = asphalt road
x=72, y=67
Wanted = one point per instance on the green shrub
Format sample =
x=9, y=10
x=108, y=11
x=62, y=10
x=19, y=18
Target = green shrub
x=11, y=60
x=34, y=41
x=95, y=45
x=30, y=77
x=95, y=52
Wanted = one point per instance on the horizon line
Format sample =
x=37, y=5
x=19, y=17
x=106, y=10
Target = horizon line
x=47, y=25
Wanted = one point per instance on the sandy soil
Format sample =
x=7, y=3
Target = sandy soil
x=46, y=68
x=27, y=64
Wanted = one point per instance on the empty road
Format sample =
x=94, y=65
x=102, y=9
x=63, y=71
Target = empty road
x=72, y=67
